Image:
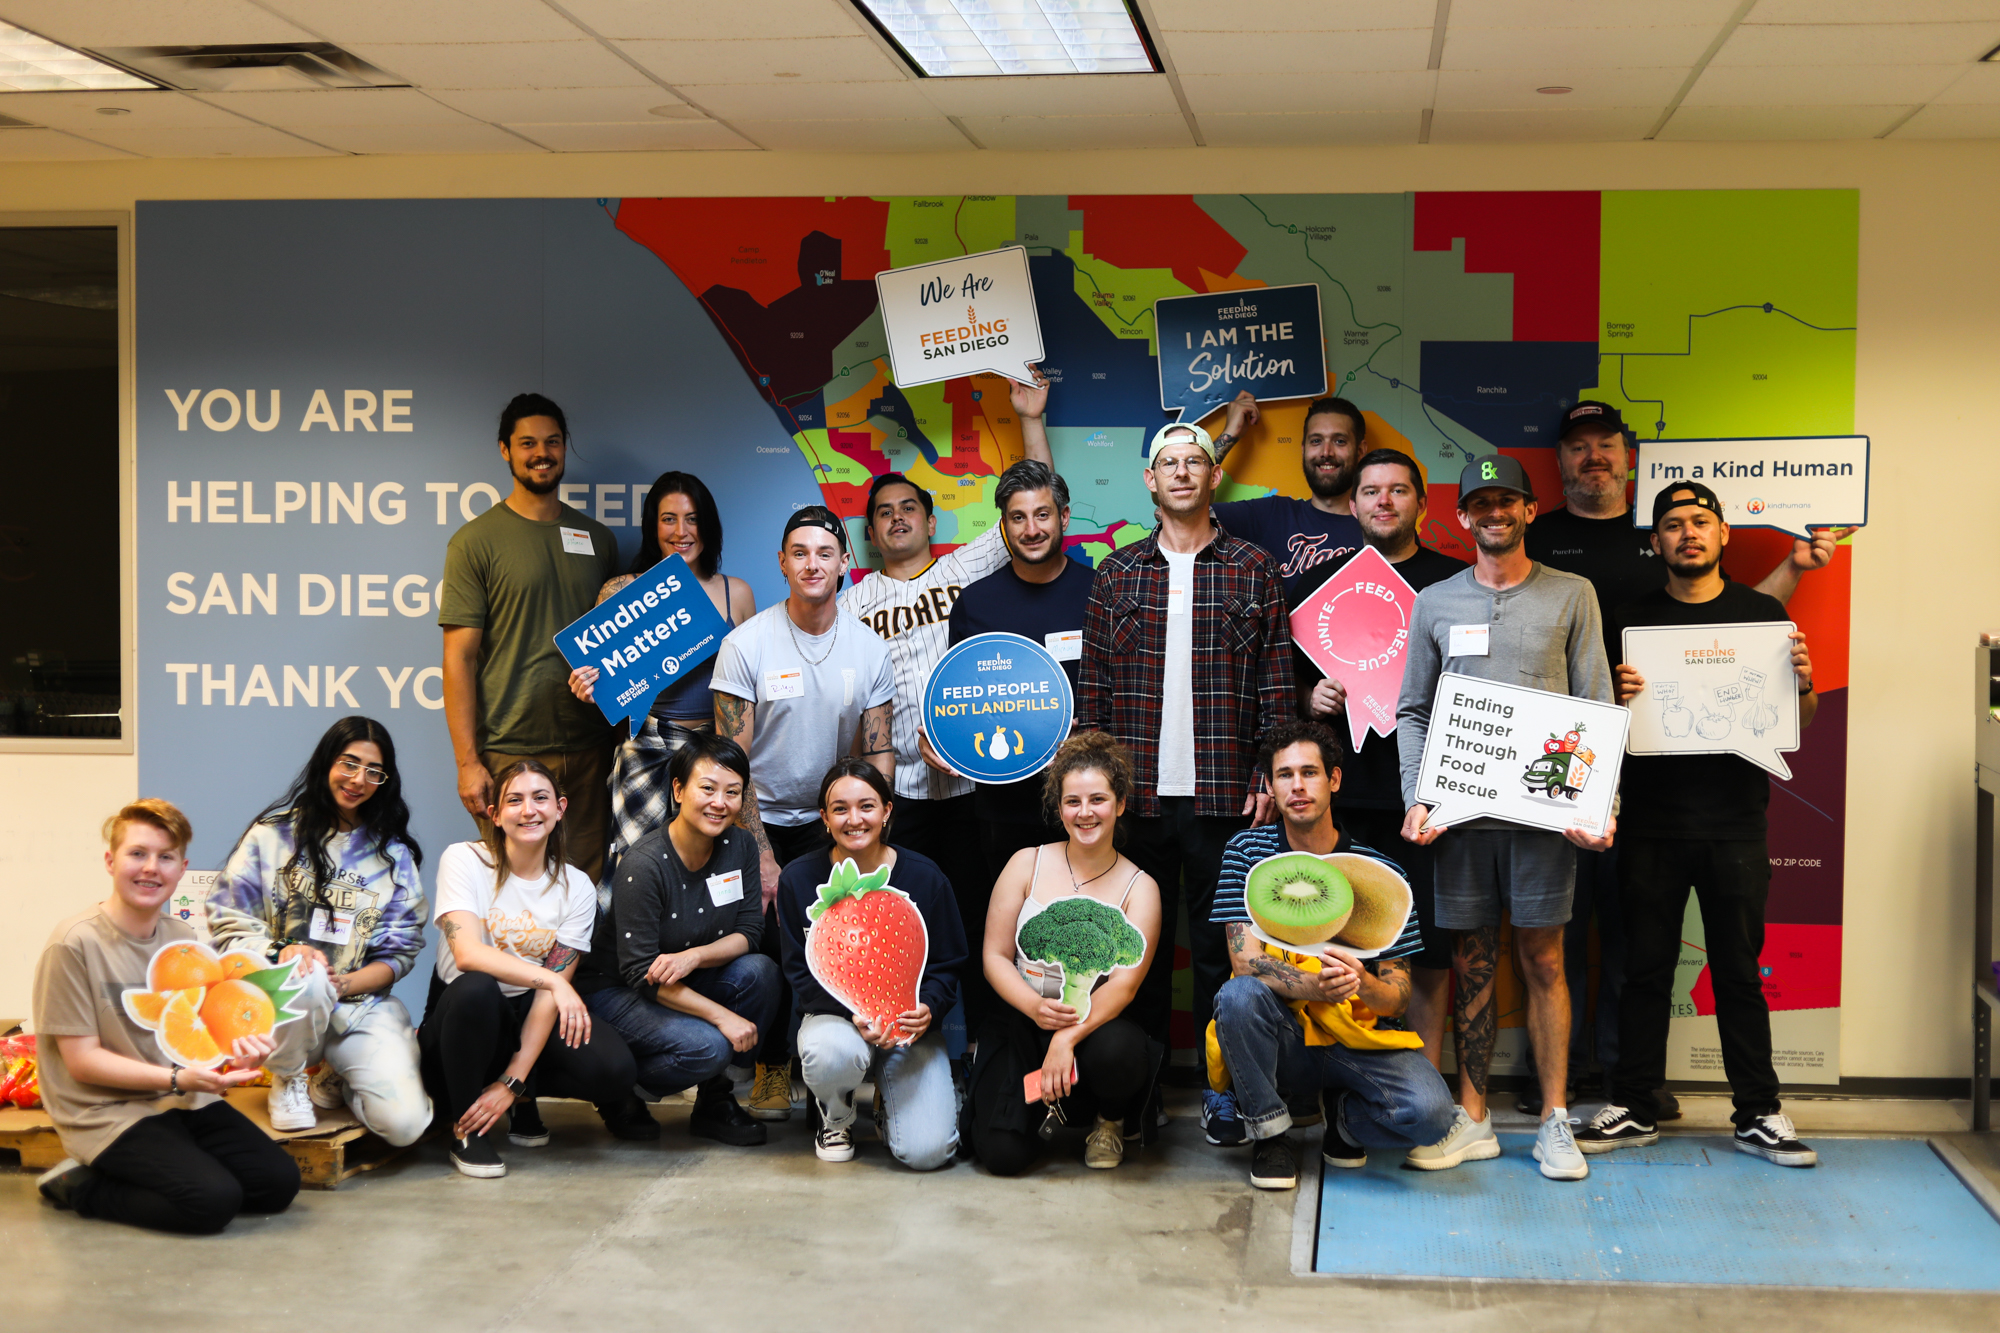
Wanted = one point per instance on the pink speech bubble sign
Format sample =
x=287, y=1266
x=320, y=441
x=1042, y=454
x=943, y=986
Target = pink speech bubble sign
x=1355, y=628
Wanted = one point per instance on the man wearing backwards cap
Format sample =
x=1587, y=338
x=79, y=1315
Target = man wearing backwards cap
x=1696, y=819
x=1511, y=620
x=798, y=685
x=1187, y=657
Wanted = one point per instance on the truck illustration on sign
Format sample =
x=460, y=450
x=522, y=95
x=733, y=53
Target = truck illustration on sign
x=1562, y=767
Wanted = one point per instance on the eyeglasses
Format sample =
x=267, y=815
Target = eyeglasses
x=350, y=767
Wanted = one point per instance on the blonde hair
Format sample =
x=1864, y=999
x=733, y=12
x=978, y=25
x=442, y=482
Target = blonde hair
x=151, y=810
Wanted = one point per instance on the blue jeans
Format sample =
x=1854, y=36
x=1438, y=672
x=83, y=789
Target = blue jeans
x=920, y=1107
x=676, y=1051
x=1395, y=1099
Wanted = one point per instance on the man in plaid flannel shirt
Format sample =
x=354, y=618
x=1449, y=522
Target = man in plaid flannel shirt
x=1186, y=661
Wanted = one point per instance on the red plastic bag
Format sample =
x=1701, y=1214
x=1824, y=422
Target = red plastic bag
x=19, y=1085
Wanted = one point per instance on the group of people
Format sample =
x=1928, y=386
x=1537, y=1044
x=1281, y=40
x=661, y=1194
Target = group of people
x=632, y=921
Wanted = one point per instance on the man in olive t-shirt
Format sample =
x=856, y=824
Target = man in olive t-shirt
x=513, y=577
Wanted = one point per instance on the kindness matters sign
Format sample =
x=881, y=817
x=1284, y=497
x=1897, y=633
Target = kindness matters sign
x=1526, y=756
x=642, y=637
x=996, y=707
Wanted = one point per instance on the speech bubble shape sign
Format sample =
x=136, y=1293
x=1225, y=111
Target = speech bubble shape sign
x=1527, y=756
x=1790, y=483
x=1355, y=628
x=1216, y=344
x=965, y=316
x=996, y=707
x=1716, y=689
x=643, y=637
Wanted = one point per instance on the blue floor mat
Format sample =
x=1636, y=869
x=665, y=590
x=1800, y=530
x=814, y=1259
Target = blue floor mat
x=1875, y=1213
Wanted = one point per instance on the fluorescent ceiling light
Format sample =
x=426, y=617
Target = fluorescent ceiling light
x=31, y=64
x=974, y=38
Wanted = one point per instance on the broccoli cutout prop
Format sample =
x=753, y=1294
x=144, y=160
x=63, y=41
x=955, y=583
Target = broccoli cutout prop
x=1086, y=938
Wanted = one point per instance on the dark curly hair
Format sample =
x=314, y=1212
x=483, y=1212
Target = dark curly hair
x=1087, y=752
x=314, y=815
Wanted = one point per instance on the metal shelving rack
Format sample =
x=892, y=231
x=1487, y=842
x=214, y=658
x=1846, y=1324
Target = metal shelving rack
x=1985, y=997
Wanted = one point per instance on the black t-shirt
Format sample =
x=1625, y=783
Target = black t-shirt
x=1616, y=557
x=1699, y=796
x=1372, y=777
x=1004, y=602
x=1299, y=536
x=660, y=906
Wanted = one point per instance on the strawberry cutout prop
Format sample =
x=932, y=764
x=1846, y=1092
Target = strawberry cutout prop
x=867, y=944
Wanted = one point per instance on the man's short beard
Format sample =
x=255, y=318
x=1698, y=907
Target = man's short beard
x=1479, y=539
x=1338, y=485
x=535, y=485
x=1693, y=572
x=1055, y=552
x=1390, y=542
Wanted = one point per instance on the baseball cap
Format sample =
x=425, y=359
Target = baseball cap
x=1493, y=470
x=815, y=516
x=1196, y=436
x=895, y=479
x=1685, y=493
x=1589, y=412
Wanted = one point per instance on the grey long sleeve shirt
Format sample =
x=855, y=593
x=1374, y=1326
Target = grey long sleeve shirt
x=1545, y=633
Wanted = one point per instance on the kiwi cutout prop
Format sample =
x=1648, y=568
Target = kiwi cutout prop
x=1382, y=902
x=1298, y=898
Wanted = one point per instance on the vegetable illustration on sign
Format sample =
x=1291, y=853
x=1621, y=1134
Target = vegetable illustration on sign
x=1563, y=766
x=1086, y=938
x=198, y=1004
x=867, y=944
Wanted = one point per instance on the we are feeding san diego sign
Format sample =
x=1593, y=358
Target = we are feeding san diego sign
x=967, y=316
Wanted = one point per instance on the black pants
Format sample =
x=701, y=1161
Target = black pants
x=1114, y=1071
x=998, y=841
x=788, y=844
x=947, y=832
x=472, y=1029
x=1731, y=880
x=189, y=1171
x=1182, y=851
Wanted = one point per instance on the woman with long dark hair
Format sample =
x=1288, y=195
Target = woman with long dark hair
x=680, y=519
x=327, y=875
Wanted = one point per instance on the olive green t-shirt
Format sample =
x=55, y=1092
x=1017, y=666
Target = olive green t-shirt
x=521, y=581
x=80, y=984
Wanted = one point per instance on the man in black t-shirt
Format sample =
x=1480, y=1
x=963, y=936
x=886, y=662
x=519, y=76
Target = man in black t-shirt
x=1389, y=505
x=1039, y=594
x=1301, y=535
x=1696, y=820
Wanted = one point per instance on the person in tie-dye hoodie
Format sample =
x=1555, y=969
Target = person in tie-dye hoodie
x=328, y=875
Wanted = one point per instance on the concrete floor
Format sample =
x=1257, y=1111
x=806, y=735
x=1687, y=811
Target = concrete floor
x=591, y=1233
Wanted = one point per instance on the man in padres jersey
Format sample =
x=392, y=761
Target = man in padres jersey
x=908, y=602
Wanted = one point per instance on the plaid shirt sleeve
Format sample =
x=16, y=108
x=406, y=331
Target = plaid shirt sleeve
x=1275, y=675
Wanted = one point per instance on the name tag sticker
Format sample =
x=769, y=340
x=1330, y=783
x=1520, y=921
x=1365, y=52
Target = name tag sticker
x=577, y=542
x=333, y=926
x=725, y=888
x=1177, y=599
x=785, y=684
x=1468, y=641
x=1064, y=645
x=847, y=687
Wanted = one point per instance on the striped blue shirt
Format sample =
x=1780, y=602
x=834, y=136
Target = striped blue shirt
x=1252, y=845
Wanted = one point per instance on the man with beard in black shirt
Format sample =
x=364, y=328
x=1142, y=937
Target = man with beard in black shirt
x=1696, y=819
x=1300, y=534
x=1389, y=505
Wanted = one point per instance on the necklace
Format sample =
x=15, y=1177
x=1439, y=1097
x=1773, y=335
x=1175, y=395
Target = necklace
x=1074, y=885
x=831, y=644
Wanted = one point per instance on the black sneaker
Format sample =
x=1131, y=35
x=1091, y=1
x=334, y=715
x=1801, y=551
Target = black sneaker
x=1615, y=1127
x=1220, y=1124
x=1772, y=1138
x=524, y=1125
x=61, y=1182
x=1337, y=1149
x=717, y=1115
x=477, y=1157
x=1273, y=1164
x=1668, y=1106
x=630, y=1119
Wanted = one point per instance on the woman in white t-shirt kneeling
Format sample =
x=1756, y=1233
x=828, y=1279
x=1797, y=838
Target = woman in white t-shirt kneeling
x=516, y=919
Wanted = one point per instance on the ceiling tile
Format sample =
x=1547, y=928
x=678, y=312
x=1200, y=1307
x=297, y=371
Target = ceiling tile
x=561, y=105
x=1978, y=86
x=743, y=18
x=655, y=136
x=1610, y=13
x=469, y=137
x=935, y=135
x=1781, y=122
x=1933, y=122
x=1857, y=44
x=1821, y=85
x=1054, y=95
x=1396, y=90
x=794, y=99
x=1029, y=133
x=1514, y=90
x=1870, y=11
x=1259, y=53
x=1584, y=125
x=578, y=64
x=1545, y=48
x=51, y=146
x=306, y=111
x=240, y=141
x=349, y=21
x=761, y=60
x=1311, y=129
x=151, y=22
x=152, y=110
x=1291, y=16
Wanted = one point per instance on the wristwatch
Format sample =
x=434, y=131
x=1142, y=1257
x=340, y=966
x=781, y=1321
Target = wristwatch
x=513, y=1085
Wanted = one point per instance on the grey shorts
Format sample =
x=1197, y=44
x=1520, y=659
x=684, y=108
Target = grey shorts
x=1529, y=872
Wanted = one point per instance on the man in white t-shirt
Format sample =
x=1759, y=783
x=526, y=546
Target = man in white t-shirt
x=908, y=603
x=797, y=686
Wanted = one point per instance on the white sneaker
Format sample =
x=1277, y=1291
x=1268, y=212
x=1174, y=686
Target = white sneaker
x=1556, y=1150
x=1469, y=1141
x=291, y=1104
x=327, y=1089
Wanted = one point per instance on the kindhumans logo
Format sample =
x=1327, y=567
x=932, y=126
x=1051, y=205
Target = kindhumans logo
x=1754, y=505
x=1488, y=472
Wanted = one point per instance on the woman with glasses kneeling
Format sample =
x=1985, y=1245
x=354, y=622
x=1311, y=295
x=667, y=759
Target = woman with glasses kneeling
x=915, y=1104
x=516, y=918
x=1070, y=931
x=327, y=875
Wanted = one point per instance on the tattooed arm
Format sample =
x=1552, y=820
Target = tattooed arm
x=1472, y=1007
x=1386, y=990
x=736, y=718
x=1248, y=959
x=462, y=935
x=873, y=742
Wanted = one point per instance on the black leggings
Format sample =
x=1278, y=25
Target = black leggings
x=472, y=1029
x=1113, y=1069
x=189, y=1171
